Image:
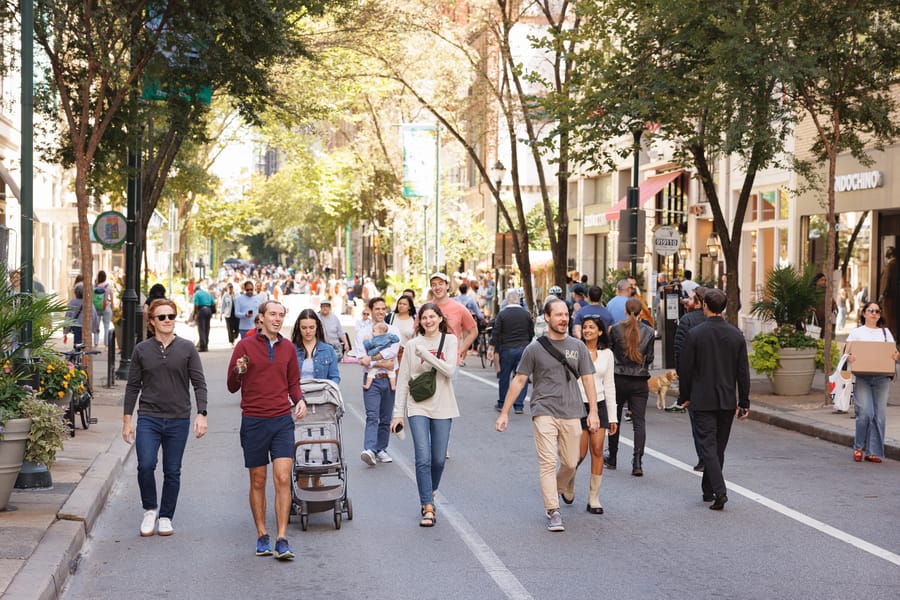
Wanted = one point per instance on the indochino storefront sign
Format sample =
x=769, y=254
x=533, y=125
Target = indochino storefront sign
x=853, y=182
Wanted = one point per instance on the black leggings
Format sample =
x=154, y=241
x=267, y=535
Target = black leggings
x=634, y=392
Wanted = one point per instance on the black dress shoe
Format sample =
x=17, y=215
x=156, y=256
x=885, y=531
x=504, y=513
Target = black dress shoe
x=609, y=462
x=719, y=502
x=709, y=497
x=699, y=467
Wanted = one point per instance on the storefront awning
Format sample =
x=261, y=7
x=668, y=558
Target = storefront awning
x=648, y=188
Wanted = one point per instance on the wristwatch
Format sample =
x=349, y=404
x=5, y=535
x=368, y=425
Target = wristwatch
x=201, y=412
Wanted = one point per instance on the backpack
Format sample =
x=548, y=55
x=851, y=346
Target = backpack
x=100, y=302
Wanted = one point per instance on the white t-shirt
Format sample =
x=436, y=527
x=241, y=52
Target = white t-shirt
x=870, y=334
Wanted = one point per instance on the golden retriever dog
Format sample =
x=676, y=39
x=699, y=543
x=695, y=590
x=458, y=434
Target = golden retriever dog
x=660, y=386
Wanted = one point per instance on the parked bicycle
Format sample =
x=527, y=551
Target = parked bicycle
x=482, y=342
x=80, y=403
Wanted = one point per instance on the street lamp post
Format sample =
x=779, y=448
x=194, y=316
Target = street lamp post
x=633, y=200
x=497, y=173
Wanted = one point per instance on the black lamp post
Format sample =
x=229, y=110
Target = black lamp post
x=497, y=173
x=633, y=200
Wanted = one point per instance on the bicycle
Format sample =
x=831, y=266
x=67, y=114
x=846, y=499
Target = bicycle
x=80, y=403
x=482, y=343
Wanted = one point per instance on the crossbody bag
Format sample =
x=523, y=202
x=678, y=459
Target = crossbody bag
x=549, y=347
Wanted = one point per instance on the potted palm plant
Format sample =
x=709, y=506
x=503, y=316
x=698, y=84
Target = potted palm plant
x=787, y=355
x=19, y=310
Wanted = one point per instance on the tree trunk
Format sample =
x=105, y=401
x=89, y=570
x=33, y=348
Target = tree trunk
x=87, y=262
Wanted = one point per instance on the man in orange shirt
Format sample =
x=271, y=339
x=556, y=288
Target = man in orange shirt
x=459, y=319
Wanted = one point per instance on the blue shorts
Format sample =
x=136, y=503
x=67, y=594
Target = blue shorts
x=263, y=439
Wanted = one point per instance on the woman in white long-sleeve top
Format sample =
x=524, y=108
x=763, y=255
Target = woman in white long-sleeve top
x=430, y=419
x=596, y=339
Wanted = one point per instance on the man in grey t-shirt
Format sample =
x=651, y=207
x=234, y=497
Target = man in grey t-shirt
x=556, y=404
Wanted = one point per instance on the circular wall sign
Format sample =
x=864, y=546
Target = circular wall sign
x=666, y=241
x=110, y=229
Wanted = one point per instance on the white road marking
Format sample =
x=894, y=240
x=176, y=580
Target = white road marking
x=493, y=566
x=798, y=516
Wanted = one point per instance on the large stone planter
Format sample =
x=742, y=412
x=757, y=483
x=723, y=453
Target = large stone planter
x=795, y=377
x=12, y=453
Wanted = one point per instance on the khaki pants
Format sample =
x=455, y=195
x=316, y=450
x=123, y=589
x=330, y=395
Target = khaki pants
x=555, y=439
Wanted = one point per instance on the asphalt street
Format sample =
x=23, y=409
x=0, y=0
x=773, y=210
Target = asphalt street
x=802, y=520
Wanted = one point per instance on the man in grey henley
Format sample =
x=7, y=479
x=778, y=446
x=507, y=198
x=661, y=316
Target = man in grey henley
x=162, y=369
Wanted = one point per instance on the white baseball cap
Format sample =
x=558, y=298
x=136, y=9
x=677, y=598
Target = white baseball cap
x=439, y=276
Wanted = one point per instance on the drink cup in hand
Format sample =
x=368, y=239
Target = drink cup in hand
x=242, y=363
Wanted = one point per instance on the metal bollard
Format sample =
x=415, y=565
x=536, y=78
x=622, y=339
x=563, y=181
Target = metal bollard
x=110, y=358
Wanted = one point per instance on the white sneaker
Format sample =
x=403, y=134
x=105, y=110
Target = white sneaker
x=368, y=457
x=384, y=457
x=148, y=525
x=165, y=526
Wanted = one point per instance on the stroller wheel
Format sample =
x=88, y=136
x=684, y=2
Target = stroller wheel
x=304, y=522
x=337, y=515
x=348, y=508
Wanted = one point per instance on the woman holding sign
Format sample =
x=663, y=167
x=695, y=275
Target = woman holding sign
x=871, y=389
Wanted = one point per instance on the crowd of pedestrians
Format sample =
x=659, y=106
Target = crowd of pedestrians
x=587, y=374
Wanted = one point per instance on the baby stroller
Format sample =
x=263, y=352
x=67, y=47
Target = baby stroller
x=320, y=474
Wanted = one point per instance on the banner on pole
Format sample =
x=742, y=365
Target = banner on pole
x=419, y=160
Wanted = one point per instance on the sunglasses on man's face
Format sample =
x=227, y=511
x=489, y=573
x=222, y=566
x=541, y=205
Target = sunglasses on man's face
x=169, y=316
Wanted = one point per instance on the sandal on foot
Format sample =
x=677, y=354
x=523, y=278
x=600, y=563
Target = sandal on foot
x=873, y=458
x=595, y=510
x=428, y=516
x=858, y=455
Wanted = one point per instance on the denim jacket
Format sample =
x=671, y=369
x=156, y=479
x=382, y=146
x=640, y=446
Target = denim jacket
x=325, y=362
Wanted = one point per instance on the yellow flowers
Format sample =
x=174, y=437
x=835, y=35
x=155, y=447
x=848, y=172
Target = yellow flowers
x=60, y=377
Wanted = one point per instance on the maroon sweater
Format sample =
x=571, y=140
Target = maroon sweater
x=272, y=379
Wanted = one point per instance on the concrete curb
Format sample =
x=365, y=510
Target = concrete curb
x=56, y=556
x=759, y=411
x=44, y=574
x=88, y=498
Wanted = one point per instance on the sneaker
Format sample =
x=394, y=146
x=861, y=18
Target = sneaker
x=676, y=408
x=368, y=457
x=165, y=526
x=609, y=462
x=554, y=520
x=520, y=411
x=263, y=546
x=628, y=415
x=283, y=550
x=148, y=525
x=384, y=457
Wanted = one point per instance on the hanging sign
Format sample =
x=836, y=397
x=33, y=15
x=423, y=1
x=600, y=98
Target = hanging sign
x=666, y=241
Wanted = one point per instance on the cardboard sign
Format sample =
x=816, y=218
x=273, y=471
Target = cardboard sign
x=872, y=358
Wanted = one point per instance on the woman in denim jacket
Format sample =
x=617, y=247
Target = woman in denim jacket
x=316, y=358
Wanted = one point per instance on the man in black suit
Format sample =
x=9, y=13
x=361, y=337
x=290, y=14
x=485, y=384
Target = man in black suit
x=715, y=377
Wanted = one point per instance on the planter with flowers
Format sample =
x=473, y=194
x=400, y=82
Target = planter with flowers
x=787, y=355
x=21, y=415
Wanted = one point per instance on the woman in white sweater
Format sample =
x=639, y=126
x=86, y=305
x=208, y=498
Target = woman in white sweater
x=596, y=339
x=430, y=419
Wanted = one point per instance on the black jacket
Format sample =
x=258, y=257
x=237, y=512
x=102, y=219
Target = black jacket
x=685, y=324
x=513, y=328
x=624, y=365
x=713, y=370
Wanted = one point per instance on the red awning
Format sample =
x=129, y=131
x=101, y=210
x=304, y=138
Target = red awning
x=648, y=188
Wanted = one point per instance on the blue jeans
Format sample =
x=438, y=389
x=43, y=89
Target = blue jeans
x=430, y=440
x=871, y=392
x=379, y=403
x=171, y=434
x=509, y=361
